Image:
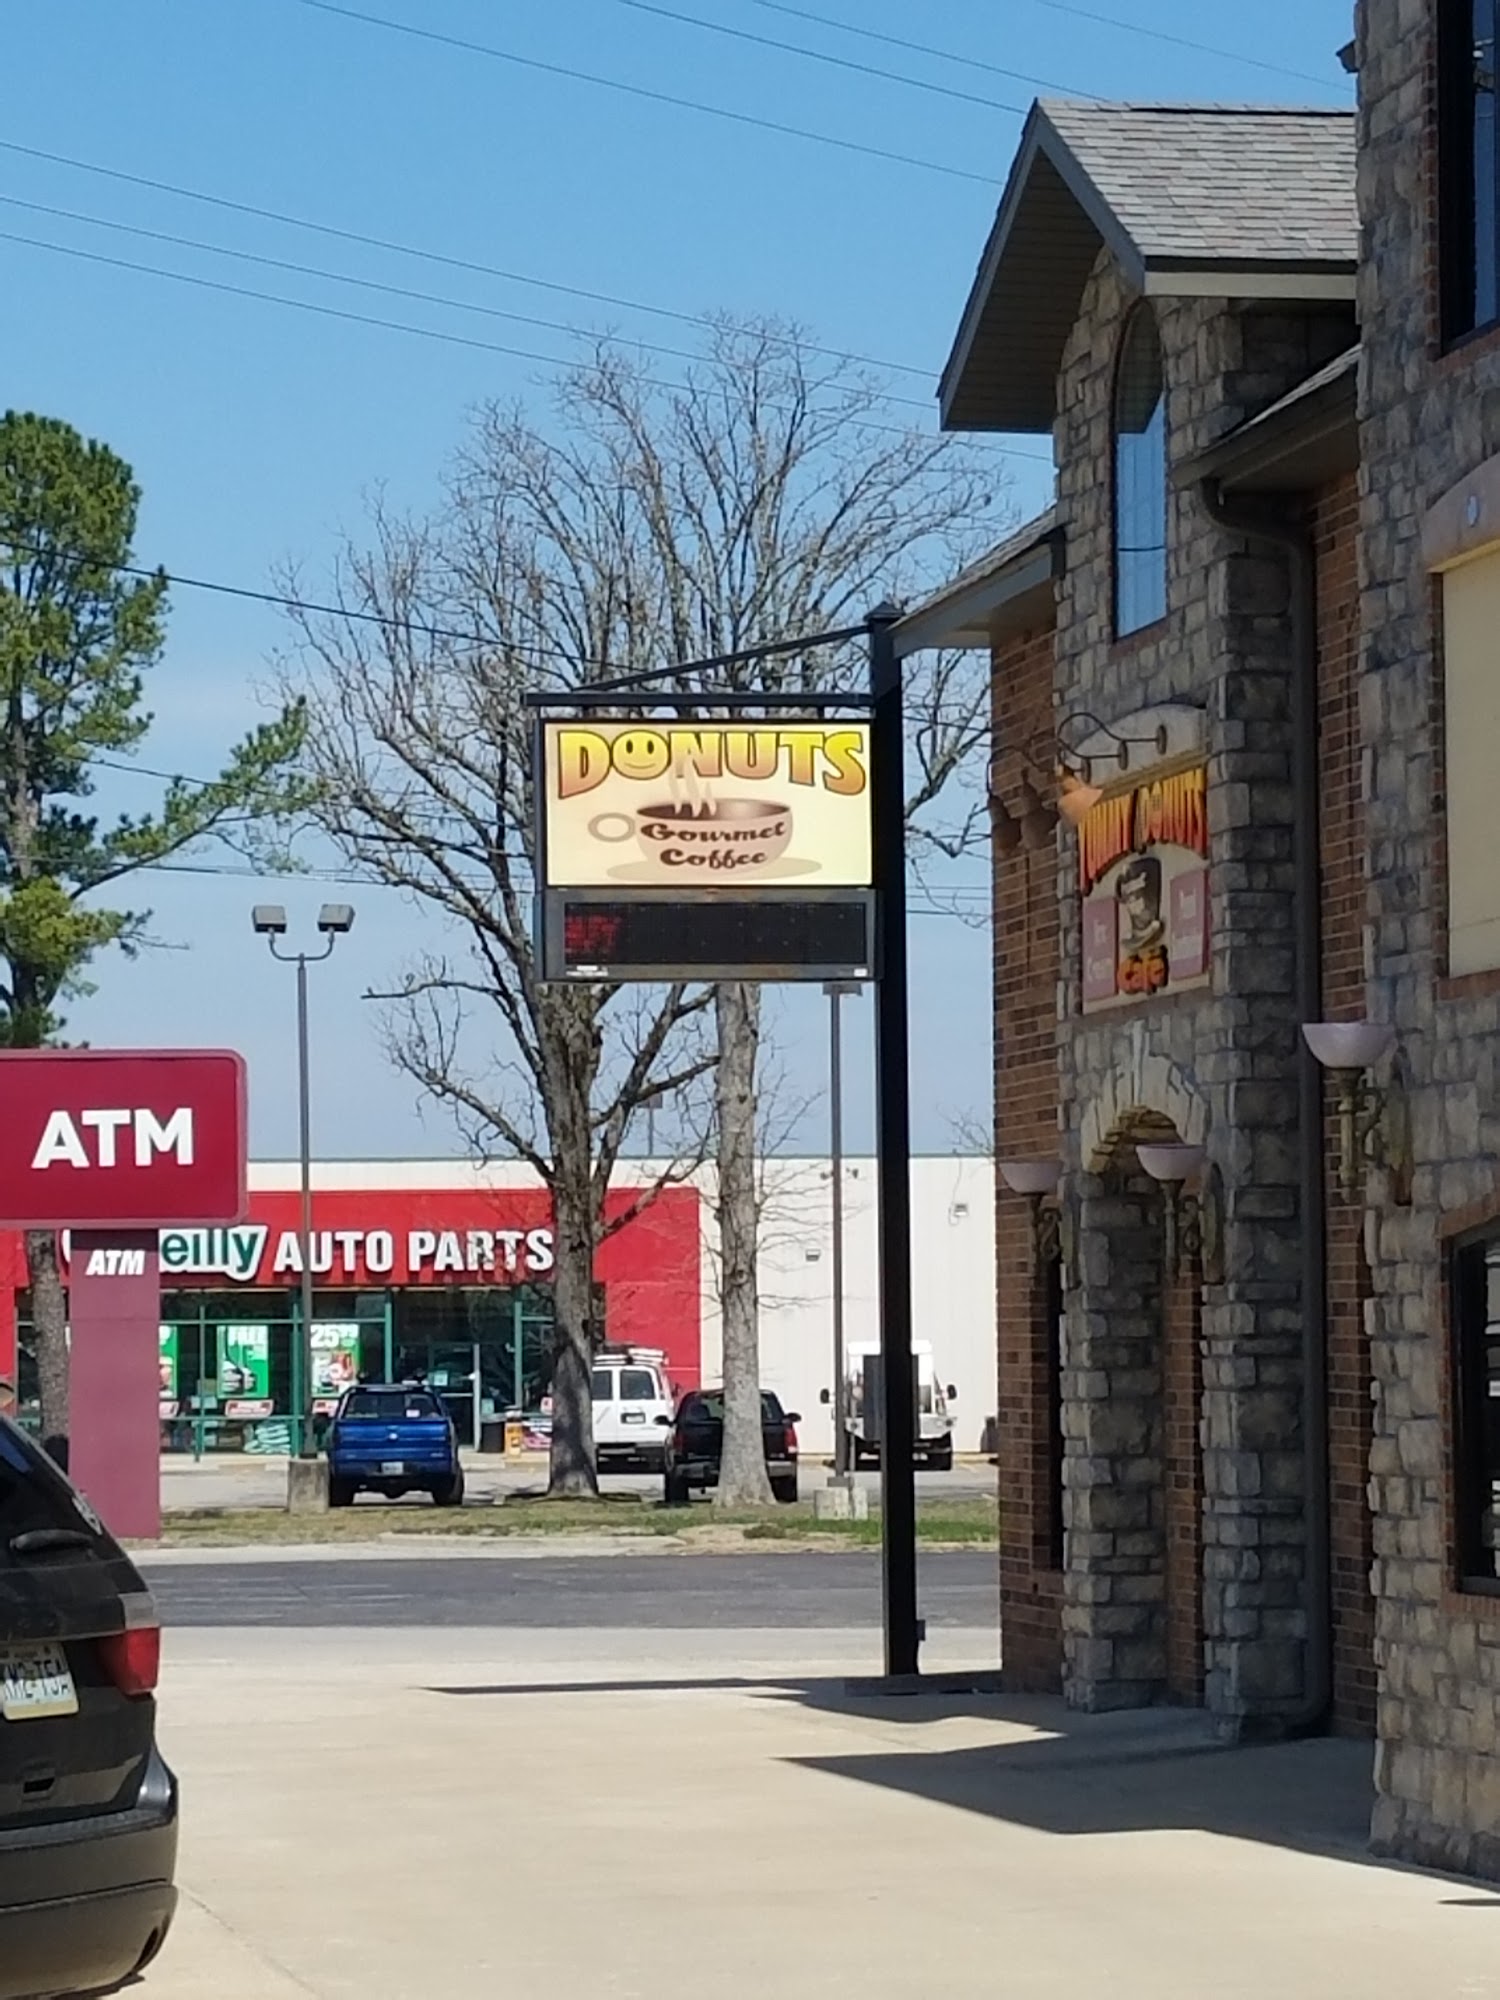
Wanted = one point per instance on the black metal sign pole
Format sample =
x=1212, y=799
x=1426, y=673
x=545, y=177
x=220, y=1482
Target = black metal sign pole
x=898, y=1488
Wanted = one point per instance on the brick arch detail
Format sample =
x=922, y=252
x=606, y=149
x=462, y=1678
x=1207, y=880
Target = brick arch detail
x=1148, y=1095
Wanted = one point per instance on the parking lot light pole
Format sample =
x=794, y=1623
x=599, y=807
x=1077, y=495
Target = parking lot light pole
x=838, y=990
x=335, y=920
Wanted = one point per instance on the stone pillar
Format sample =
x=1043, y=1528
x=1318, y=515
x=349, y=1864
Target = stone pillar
x=1114, y=1616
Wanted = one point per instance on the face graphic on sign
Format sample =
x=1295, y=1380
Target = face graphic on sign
x=1143, y=927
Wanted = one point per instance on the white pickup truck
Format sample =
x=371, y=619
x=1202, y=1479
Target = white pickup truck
x=932, y=1441
x=631, y=1392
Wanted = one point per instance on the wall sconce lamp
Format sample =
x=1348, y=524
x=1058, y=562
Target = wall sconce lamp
x=1120, y=754
x=1374, y=1119
x=1036, y=1179
x=1031, y=821
x=1193, y=1224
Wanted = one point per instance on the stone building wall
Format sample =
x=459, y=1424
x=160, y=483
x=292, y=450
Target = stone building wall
x=1427, y=420
x=1220, y=1062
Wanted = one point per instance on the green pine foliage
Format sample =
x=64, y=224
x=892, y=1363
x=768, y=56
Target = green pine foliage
x=78, y=634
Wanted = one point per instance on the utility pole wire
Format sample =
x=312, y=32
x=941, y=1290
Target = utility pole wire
x=289, y=221
x=641, y=90
x=374, y=284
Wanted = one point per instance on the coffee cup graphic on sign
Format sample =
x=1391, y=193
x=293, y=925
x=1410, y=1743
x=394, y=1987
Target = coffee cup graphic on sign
x=715, y=838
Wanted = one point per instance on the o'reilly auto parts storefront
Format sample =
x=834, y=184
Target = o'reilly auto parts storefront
x=453, y=1283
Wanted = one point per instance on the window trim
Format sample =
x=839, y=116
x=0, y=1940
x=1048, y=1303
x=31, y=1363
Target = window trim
x=1120, y=634
x=1459, y=320
x=1470, y=1473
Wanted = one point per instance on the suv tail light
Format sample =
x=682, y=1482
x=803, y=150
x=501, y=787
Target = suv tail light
x=791, y=1440
x=133, y=1659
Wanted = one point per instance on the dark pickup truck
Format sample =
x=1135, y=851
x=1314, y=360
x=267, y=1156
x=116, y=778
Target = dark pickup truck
x=695, y=1445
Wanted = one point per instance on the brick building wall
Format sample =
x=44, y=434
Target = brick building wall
x=1335, y=524
x=1427, y=420
x=1025, y=988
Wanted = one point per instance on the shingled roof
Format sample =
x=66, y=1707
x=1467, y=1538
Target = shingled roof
x=1193, y=200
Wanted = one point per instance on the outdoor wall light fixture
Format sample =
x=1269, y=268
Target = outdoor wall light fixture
x=1036, y=1179
x=1119, y=754
x=1031, y=821
x=1374, y=1121
x=1076, y=798
x=1193, y=1224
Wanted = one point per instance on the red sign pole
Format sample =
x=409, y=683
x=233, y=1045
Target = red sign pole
x=114, y=1302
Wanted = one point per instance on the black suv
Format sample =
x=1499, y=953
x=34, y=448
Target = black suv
x=88, y=1810
x=695, y=1445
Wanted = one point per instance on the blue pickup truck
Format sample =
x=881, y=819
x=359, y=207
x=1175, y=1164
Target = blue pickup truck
x=393, y=1438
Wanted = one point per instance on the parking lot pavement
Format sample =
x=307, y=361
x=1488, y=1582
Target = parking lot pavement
x=236, y=1480
x=461, y=1813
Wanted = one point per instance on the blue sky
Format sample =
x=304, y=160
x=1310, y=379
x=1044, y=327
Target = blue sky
x=257, y=430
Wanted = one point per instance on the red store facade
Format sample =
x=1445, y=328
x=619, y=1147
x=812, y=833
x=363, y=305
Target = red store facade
x=453, y=1283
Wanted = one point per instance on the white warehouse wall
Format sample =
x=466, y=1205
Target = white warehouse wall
x=953, y=1283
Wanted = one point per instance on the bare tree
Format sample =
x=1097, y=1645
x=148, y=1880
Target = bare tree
x=764, y=498
x=768, y=497
x=419, y=748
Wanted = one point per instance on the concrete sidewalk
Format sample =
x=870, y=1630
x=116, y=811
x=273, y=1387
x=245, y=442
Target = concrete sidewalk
x=402, y=1815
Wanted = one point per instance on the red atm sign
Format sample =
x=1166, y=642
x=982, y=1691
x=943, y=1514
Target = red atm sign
x=121, y=1139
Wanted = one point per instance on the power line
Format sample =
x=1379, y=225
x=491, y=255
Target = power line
x=372, y=284
x=367, y=242
x=1057, y=6
x=1178, y=41
x=819, y=56
x=348, y=315
x=916, y=48
x=539, y=655
x=641, y=90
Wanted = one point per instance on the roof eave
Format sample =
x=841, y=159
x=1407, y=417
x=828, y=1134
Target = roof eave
x=973, y=616
x=1303, y=447
x=1039, y=138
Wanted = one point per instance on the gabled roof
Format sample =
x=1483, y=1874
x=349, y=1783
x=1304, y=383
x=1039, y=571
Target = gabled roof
x=1010, y=589
x=1192, y=200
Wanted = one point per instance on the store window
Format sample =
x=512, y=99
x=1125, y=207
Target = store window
x=1468, y=166
x=232, y=1365
x=487, y=1351
x=1475, y=1293
x=1140, y=477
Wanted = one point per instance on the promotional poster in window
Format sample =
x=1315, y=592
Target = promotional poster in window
x=1143, y=876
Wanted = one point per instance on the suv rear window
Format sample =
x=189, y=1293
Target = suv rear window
x=33, y=1493
x=638, y=1385
x=390, y=1406
x=603, y=1385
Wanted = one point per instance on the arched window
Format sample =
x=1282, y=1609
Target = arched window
x=1140, y=440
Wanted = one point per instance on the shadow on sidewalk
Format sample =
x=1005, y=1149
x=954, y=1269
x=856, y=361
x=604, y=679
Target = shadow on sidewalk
x=1053, y=1769
x=1151, y=1769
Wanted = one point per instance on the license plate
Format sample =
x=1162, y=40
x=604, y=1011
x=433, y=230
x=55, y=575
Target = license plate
x=392, y=1467
x=35, y=1681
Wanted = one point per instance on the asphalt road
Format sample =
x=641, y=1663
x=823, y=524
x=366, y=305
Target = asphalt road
x=656, y=1593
